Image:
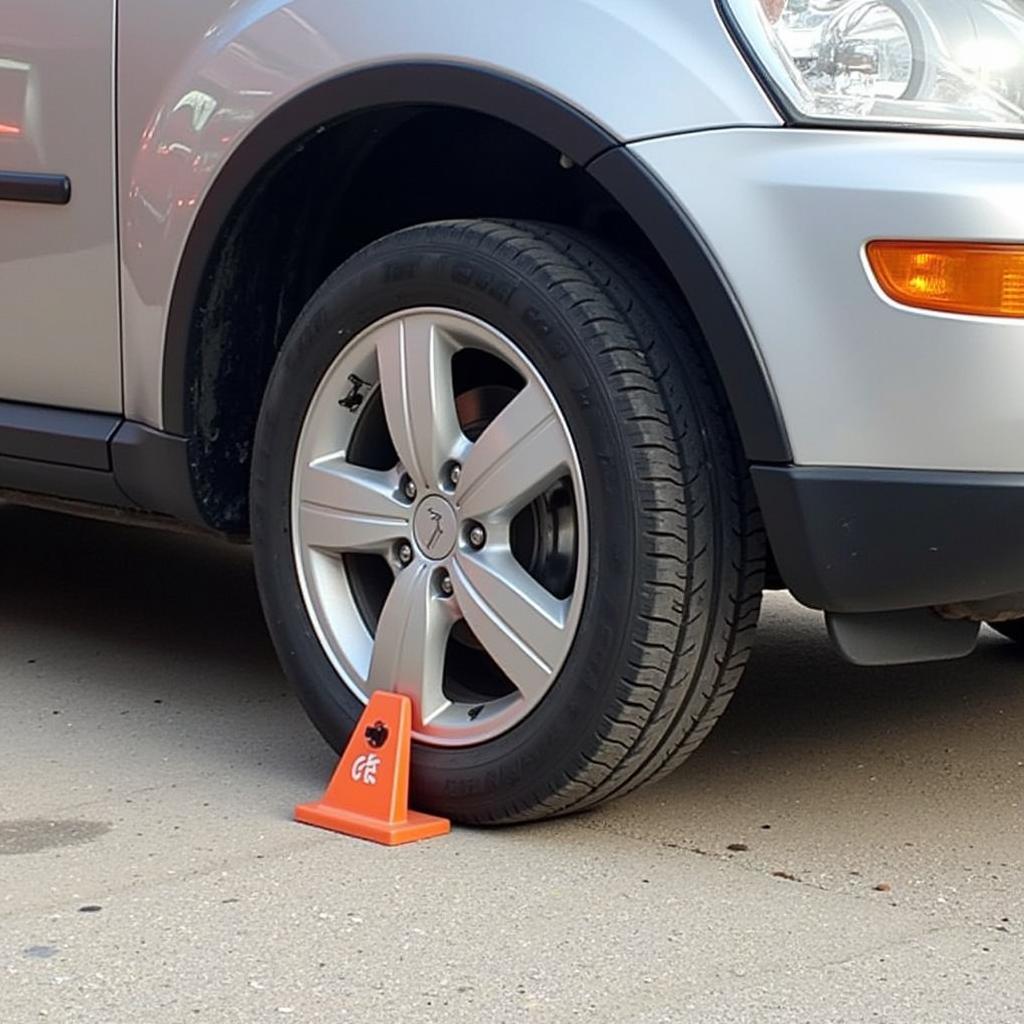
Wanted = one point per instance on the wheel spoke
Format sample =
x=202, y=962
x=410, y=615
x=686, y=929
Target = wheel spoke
x=415, y=362
x=349, y=508
x=520, y=624
x=523, y=451
x=409, y=646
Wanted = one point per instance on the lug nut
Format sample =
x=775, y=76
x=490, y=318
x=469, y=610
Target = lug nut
x=409, y=488
x=445, y=583
x=455, y=473
x=405, y=553
x=477, y=536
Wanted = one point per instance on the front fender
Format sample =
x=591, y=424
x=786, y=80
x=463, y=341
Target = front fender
x=211, y=90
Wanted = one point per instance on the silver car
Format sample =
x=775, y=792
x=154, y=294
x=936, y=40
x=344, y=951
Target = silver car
x=530, y=340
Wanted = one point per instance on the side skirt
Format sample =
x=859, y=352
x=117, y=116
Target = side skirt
x=94, y=464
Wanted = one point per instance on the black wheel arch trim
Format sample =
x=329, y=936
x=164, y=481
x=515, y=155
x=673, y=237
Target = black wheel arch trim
x=717, y=310
x=552, y=120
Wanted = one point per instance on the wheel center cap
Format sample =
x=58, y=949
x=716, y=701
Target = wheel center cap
x=434, y=526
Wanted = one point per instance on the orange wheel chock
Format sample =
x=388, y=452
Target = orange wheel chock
x=368, y=796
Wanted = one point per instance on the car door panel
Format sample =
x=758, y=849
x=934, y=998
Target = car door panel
x=59, y=332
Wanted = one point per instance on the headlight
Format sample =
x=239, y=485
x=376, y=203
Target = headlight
x=942, y=64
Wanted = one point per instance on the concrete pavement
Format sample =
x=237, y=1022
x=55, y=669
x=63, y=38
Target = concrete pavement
x=846, y=847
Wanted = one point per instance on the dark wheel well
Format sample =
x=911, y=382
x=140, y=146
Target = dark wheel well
x=322, y=200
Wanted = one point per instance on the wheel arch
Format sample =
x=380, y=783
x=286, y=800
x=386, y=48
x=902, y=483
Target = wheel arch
x=380, y=86
x=537, y=113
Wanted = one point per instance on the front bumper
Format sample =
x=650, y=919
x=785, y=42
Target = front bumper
x=906, y=427
x=859, y=540
x=860, y=381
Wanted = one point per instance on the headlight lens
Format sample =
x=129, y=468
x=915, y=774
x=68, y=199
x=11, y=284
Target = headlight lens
x=943, y=64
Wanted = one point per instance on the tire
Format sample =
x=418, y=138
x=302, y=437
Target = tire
x=1012, y=630
x=673, y=548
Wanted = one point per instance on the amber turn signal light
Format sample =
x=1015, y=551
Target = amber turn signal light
x=952, y=277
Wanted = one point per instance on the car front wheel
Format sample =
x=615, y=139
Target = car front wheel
x=493, y=472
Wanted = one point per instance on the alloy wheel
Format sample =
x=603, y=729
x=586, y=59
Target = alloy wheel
x=439, y=523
